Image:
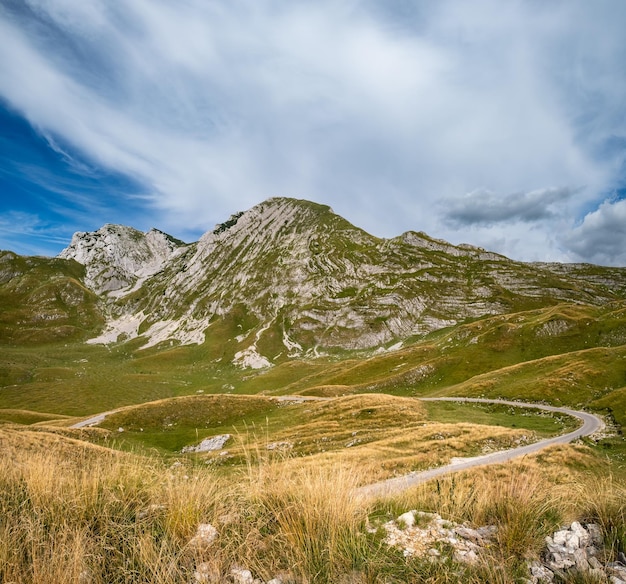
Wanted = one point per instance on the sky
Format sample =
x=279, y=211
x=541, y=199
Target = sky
x=498, y=124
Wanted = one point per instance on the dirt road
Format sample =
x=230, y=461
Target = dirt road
x=590, y=425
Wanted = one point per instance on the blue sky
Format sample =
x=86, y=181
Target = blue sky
x=500, y=124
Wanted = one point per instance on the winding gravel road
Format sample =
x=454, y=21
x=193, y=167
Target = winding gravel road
x=590, y=425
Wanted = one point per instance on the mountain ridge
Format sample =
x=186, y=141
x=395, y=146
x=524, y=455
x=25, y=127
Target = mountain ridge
x=116, y=256
x=305, y=281
x=290, y=278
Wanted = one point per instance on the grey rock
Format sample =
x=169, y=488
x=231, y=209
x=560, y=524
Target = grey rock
x=581, y=536
x=241, y=576
x=596, y=534
x=580, y=559
x=470, y=534
x=487, y=531
x=209, y=444
x=540, y=573
x=560, y=562
x=616, y=569
x=595, y=563
x=406, y=519
x=205, y=535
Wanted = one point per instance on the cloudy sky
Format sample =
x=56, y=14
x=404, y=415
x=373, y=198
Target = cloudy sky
x=500, y=124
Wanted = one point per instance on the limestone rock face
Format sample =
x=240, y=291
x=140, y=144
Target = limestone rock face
x=116, y=256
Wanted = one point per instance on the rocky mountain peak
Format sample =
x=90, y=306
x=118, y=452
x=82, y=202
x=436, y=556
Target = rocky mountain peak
x=272, y=218
x=116, y=256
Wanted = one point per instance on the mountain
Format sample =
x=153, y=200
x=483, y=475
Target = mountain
x=116, y=257
x=289, y=278
x=172, y=328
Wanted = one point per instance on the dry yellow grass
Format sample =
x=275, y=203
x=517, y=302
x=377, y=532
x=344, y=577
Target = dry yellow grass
x=390, y=452
x=73, y=512
x=382, y=435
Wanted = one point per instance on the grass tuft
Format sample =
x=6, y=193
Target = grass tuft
x=604, y=503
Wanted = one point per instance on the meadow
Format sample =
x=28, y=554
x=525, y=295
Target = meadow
x=77, y=512
x=122, y=501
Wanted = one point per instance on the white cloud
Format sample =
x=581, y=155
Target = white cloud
x=29, y=232
x=216, y=106
x=601, y=237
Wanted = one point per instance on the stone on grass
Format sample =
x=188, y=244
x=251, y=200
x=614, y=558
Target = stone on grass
x=406, y=519
x=203, y=573
x=243, y=576
x=204, y=537
x=209, y=444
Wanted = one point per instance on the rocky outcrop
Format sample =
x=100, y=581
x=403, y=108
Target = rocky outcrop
x=575, y=549
x=116, y=257
x=422, y=534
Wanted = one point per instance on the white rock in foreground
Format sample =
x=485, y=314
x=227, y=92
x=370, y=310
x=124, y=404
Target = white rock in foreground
x=206, y=534
x=209, y=444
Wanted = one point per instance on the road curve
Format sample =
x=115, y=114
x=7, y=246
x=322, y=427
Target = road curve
x=590, y=424
x=93, y=420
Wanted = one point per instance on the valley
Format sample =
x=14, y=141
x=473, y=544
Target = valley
x=296, y=346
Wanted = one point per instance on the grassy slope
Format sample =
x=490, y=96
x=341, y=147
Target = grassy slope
x=567, y=354
x=71, y=509
x=43, y=300
x=380, y=434
x=181, y=421
x=391, y=434
x=564, y=354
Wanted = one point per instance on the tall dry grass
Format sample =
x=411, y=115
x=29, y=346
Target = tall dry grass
x=70, y=513
x=314, y=517
x=603, y=501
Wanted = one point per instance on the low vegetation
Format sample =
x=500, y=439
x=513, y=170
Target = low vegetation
x=75, y=512
x=384, y=435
